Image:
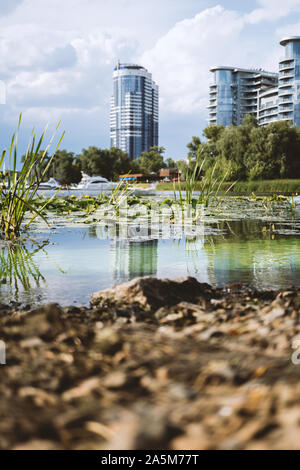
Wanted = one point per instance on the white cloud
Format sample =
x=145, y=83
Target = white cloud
x=59, y=70
x=181, y=59
x=271, y=10
x=57, y=57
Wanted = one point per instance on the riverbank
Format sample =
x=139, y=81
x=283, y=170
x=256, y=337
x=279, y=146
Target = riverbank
x=286, y=187
x=153, y=364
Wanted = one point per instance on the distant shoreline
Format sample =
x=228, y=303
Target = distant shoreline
x=285, y=187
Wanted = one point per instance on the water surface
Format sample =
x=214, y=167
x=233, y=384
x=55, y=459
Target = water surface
x=77, y=261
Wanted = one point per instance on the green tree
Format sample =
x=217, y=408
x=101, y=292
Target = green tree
x=64, y=168
x=273, y=152
x=252, y=152
x=95, y=162
x=171, y=164
x=152, y=161
x=213, y=132
x=121, y=163
x=193, y=147
x=109, y=163
x=234, y=145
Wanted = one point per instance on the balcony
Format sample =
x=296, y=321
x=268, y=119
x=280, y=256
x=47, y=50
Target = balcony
x=286, y=100
x=271, y=114
x=265, y=121
x=288, y=66
x=286, y=60
x=284, y=109
x=248, y=98
x=286, y=92
x=285, y=84
x=285, y=115
x=248, y=94
x=285, y=118
x=269, y=105
x=286, y=75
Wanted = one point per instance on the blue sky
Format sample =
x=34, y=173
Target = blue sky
x=57, y=59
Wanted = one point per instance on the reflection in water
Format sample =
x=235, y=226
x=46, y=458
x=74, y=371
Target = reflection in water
x=18, y=270
x=131, y=259
x=263, y=263
x=248, y=251
x=265, y=254
x=253, y=252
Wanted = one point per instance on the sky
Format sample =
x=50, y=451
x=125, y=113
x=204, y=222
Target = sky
x=57, y=60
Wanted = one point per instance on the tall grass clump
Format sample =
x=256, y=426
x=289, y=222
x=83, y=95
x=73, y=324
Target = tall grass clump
x=121, y=192
x=200, y=189
x=18, y=188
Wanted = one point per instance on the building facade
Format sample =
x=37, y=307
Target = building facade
x=134, y=110
x=287, y=94
x=234, y=93
x=269, y=96
x=267, y=106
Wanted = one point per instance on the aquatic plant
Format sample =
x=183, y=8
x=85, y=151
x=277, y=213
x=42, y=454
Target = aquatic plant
x=121, y=192
x=18, y=188
x=199, y=189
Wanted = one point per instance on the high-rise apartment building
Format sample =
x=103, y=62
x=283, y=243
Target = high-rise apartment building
x=234, y=93
x=134, y=110
x=268, y=96
x=283, y=102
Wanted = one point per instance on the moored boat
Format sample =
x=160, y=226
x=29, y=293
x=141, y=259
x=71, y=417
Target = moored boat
x=52, y=183
x=91, y=183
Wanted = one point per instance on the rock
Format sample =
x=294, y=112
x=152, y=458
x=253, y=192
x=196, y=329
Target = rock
x=115, y=380
x=152, y=293
x=275, y=313
x=31, y=343
x=107, y=341
x=40, y=321
x=83, y=390
x=40, y=397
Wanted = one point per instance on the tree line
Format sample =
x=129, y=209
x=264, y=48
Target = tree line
x=250, y=152
x=245, y=153
x=66, y=167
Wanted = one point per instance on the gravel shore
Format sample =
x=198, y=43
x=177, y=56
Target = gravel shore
x=154, y=364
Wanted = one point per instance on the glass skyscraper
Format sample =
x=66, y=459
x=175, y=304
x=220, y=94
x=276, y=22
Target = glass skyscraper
x=134, y=110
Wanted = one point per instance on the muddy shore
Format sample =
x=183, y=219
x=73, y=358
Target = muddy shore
x=154, y=364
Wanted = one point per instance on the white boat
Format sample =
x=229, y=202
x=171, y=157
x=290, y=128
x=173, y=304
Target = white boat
x=91, y=183
x=52, y=183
